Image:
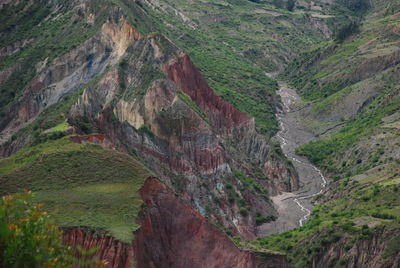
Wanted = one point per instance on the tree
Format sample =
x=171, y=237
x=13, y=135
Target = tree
x=291, y=4
x=357, y=5
x=277, y=3
x=347, y=30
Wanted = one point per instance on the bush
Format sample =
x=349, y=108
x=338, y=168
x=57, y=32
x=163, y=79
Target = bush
x=260, y=219
x=290, y=5
x=347, y=30
x=29, y=237
x=25, y=229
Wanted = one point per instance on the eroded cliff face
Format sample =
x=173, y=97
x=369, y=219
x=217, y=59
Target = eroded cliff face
x=170, y=228
x=225, y=118
x=148, y=99
x=380, y=249
x=157, y=104
x=115, y=253
x=172, y=235
x=69, y=72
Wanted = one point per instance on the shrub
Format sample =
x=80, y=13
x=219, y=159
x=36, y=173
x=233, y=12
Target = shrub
x=343, y=261
x=290, y=5
x=347, y=30
x=25, y=229
x=29, y=237
x=383, y=216
x=244, y=212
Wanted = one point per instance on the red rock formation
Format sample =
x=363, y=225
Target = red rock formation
x=114, y=252
x=172, y=234
x=98, y=139
x=222, y=115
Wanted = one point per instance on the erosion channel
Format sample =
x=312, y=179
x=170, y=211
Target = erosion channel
x=294, y=208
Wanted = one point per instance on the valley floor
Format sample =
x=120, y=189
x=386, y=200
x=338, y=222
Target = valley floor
x=294, y=208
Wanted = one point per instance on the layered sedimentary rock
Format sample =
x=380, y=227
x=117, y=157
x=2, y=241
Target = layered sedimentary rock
x=115, y=253
x=69, y=72
x=380, y=249
x=225, y=118
x=158, y=104
x=170, y=228
x=148, y=99
x=172, y=235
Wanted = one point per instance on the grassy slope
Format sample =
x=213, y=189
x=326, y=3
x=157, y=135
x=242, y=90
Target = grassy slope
x=370, y=137
x=335, y=70
x=361, y=157
x=52, y=32
x=233, y=43
x=353, y=216
x=81, y=185
x=366, y=128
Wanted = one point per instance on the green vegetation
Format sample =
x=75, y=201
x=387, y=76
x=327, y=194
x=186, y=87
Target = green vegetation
x=348, y=219
x=60, y=127
x=334, y=66
x=260, y=219
x=234, y=44
x=291, y=4
x=29, y=237
x=347, y=30
x=186, y=99
x=322, y=152
x=251, y=184
x=51, y=37
x=81, y=184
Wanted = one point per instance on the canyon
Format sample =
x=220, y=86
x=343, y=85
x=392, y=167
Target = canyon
x=236, y=133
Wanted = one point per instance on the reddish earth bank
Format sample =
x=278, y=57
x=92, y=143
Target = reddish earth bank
x=98, y=139
x=117, y=254
x=223, y=116
x=172, y=235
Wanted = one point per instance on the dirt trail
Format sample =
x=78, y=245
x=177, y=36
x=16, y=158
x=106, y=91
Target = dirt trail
x=294, y=208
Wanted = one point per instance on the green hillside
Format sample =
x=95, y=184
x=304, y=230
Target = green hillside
x=80, y=184
x=352, y=94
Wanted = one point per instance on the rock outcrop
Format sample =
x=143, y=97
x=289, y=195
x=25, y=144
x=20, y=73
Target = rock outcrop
x=380, y=249
x=169, y=229
x=172, y=235
x=157, y=104
x=148, y=99
x=69, y=72
x=115, y=253
x=225, y=118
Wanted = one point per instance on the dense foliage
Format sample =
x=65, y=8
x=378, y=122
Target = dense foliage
x=30, y=238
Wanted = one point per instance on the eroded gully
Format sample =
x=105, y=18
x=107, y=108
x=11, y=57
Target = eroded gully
x=294, y=208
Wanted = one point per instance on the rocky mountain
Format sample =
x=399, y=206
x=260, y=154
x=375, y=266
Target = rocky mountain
x=148, y=128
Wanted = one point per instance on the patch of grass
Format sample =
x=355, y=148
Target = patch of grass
x=323, y=151
x=186, y=99
x=251, y=184
x=60, y=127
x=81, y=184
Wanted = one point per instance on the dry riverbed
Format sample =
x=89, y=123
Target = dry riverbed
x=294, y=208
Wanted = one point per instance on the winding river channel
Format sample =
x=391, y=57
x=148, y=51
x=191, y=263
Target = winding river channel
x=294, y=208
